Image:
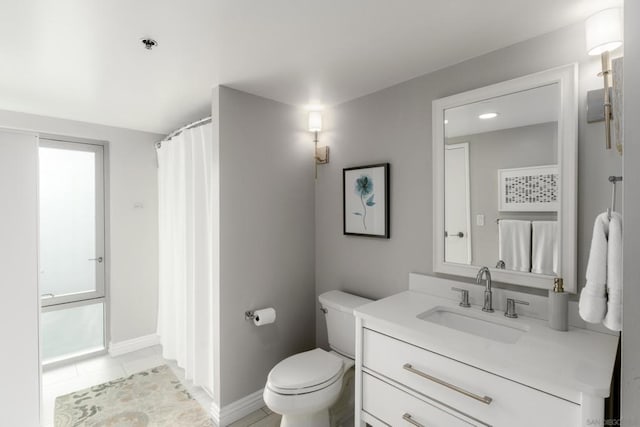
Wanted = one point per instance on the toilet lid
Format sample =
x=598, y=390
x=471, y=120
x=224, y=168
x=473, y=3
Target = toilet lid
x=305, y=370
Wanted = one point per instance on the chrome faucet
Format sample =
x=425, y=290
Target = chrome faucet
x=488, y=298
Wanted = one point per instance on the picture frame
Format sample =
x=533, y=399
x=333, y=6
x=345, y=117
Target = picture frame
x=365, y=196
x=529, y=189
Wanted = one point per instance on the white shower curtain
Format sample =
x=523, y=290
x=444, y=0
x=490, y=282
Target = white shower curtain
x=185, y=176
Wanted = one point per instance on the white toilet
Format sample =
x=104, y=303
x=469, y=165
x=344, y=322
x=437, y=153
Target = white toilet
x=302, y=387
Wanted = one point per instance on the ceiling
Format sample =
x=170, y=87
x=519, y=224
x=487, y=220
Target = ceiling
x=525, y=108
x=82, y=59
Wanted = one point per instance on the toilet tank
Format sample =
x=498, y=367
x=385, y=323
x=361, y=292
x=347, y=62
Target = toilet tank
x=341, y=323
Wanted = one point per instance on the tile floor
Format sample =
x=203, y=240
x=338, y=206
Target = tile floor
x=260, y=418
x=86, y=373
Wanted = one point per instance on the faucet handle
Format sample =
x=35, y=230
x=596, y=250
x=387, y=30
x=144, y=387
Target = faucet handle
x=464, y=297
x=511, y=307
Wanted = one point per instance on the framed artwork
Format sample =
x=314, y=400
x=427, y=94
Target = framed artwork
x=531, y=189
x=365, y=191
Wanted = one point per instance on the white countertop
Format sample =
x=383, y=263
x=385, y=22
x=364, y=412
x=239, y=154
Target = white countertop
x=564, y=364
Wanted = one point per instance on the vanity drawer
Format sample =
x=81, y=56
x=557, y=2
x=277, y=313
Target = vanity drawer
x=395, y=407
x=464, y=387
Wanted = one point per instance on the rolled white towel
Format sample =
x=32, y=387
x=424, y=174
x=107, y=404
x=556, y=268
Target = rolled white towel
x=613, y=318
x=593, y=302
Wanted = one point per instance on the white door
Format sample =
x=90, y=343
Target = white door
x=457, y=215
x=72, y=258
x=19, y=356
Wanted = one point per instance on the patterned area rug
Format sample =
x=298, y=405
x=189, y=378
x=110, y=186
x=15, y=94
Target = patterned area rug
x=150, y=398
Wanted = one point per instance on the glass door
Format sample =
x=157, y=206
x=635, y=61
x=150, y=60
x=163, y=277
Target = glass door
x=72, y=265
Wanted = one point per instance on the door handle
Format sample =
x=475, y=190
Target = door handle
x=47, y=296
x=458, y=234
x=99, y=259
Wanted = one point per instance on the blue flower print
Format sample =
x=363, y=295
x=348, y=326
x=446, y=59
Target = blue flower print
x=363, y=188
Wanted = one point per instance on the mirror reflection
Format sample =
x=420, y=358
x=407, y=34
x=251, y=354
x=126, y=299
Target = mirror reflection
x=502, y=182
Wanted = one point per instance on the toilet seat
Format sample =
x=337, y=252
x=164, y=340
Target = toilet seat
x=305, y=372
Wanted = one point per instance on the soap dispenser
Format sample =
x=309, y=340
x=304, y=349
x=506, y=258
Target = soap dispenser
x=558, y=306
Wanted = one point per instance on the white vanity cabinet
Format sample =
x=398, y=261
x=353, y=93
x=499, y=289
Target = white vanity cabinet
x=412, y=372
x=474, y=396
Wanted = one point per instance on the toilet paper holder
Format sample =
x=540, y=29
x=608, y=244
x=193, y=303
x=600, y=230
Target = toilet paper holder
x=264, y=316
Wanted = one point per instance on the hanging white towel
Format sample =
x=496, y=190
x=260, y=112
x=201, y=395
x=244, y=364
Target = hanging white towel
x=515, y=244
x=593, y=301
x=544, y=247
x=613, y=319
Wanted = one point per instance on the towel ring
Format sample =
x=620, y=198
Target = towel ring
x=613, y=180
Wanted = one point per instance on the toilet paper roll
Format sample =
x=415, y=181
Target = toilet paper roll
x=264, y=316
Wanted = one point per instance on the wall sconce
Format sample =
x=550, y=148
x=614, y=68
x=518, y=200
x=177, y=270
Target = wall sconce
x=604, y=34
x=315, y=126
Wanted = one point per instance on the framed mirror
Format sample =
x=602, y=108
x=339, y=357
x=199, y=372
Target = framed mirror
x=505, y=180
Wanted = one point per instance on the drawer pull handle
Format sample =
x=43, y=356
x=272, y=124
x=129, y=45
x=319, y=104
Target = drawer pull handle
x=408, y=418
x=484, y=399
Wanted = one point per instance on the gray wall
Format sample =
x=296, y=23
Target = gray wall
x=266, y=237
x=394, y=125
x=133, y=260
x=19, y=309
x=533, y=145
x=631, y=334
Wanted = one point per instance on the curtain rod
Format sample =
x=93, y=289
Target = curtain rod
x=182, y=129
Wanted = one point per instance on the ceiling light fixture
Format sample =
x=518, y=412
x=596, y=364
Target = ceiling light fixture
x=487, y=116
x=149, y=43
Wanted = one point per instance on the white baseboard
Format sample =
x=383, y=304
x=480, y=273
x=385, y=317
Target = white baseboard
x=123, y=347
x=236, y=410
x=214, y=411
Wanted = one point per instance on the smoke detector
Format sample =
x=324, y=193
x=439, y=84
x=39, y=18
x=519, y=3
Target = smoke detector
x=149, y=43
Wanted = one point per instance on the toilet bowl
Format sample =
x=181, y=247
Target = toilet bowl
x=304, y=386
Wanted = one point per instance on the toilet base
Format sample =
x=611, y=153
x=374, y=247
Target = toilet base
x=317, y=419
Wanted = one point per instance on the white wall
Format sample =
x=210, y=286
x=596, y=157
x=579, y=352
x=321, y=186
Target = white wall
x=19, y=307
x=266, y=237
x=394, y=125
x=631, y=334
x=133, y=256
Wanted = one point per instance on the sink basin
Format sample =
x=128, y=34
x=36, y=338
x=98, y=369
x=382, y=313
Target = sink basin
x=475, y=323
